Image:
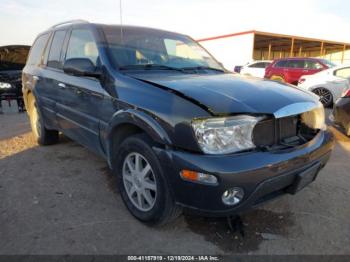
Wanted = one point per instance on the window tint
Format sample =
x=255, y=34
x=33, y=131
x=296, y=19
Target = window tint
x=310, y=64
x=37, y=50
x=82, y=45
x=54, y=59
x=343, y=72
x=295, y=64
x=282, y=63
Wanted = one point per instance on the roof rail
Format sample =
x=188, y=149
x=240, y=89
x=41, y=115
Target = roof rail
x=76, y=21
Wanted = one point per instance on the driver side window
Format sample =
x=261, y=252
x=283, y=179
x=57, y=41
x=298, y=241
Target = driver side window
x=82, y=45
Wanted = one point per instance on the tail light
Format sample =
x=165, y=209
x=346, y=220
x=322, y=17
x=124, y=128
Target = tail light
x=346, y=93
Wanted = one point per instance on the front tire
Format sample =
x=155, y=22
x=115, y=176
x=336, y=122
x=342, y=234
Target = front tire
x=142, y=184
x=42, y=135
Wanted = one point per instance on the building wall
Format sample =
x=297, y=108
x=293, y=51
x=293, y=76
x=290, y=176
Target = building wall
x=334, y=57
x=231, y=51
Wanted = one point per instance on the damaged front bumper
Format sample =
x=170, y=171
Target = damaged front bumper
x=262, y=175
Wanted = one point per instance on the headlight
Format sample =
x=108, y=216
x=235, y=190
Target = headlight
x=225, y=135
x=315, y=118
x=4, y=85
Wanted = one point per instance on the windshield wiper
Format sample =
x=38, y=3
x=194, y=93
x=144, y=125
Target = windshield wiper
x=203, y=68
x=150, y=67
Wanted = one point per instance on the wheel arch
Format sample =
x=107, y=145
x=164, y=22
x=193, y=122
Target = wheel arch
x=129, y=122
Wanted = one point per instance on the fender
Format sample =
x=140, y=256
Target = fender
x=135, y=117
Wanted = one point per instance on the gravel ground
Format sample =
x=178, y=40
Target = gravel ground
x=62, y=199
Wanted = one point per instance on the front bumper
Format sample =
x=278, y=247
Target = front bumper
x=262, y=175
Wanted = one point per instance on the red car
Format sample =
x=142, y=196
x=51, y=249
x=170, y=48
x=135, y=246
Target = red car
x=289, y=70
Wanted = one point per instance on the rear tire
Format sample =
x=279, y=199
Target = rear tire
x=42, y=135
x=142, y=182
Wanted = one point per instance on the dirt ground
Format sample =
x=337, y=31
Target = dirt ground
x=62, y=199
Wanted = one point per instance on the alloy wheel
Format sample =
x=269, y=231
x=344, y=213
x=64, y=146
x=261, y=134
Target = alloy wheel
x=325, y=95
x=139, y=181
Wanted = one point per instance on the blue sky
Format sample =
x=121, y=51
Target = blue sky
x=22, y=20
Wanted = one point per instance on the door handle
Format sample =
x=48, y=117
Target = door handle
x=62, y=86
x=78, y=92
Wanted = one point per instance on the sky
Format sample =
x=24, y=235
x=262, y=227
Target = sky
x=22, y=20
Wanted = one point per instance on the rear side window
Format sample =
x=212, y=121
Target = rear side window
x=37, y=49
x=82, y=45
x=54, y=59
x=282, y=63
x=296, y=64
x=310, y=64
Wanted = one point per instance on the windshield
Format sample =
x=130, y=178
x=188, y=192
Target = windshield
x=134, y=47
x=328, y=63
x=13, y=58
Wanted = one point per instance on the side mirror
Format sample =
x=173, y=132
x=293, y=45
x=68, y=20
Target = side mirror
x=81, y=67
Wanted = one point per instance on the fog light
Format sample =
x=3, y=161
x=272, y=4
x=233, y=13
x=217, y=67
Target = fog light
x=232, y=196
x=198, y=177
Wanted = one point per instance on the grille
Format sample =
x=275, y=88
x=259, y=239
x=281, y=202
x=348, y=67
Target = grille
x=283, y=132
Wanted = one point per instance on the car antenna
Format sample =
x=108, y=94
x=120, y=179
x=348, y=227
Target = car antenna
x=121, y=20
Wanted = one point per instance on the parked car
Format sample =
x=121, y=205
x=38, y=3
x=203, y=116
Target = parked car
x=176, y=129
x=329, y=84
x=12, y=60
x=290, y=70
x=341, y=112
x=255, y=68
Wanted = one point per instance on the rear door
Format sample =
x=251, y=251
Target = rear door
x=81, y=98
x=276, y=69
x=52, y=68
x=33, y=79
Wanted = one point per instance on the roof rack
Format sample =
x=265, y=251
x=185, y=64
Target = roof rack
x=76, y=21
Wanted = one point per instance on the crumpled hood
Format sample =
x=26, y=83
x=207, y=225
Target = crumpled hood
x=224, y=94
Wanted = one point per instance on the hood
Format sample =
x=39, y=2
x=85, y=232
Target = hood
x=13, y=58
x=224, y=94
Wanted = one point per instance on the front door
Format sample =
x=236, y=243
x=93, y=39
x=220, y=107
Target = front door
x=81, y=98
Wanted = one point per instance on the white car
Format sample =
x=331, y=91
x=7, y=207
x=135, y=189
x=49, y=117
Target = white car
x=256, y=68
x=329, y=84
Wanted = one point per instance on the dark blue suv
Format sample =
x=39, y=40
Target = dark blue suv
x=175, y=127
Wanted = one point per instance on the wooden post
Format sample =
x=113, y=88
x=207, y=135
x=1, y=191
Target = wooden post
x=292, y=48
x=269, y=55
x=321, y=51
x=300, y=50
x=343, y=54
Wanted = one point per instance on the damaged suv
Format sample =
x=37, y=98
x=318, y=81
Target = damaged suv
x=175, y=127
